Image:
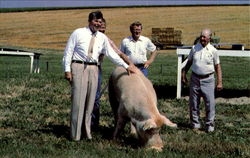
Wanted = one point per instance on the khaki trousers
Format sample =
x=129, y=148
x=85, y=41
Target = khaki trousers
x=84, y=86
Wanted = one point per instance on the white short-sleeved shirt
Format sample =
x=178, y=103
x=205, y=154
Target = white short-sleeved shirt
x=137, y=50
x=78, y=45
x=203, y=59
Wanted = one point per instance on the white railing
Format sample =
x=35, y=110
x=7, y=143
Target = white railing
x=34, y=57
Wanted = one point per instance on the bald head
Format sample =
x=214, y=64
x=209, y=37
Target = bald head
x=206, y=32
x=205, y=37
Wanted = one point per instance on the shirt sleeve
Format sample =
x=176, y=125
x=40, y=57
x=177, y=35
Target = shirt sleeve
x=191, y=53
x=113, y=56
x=122, y=47
x=150, y=46
x=112, y=44
x=216, y=58
x=68, y=52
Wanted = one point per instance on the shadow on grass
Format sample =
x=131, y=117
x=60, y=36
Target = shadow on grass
x=183, y=125
x=233, y=93
x=165, y=91
x=122, y=140
x=104, y=132
x=169, y=92
x=58, y=130
x=62, y=131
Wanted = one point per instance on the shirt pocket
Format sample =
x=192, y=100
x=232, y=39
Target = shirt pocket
x=209, y=59
x=99, y=47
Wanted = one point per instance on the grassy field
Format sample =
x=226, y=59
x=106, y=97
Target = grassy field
x=35, y=108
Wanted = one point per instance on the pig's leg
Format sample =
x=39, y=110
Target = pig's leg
x=121, y=122
x=133, y=130
x=168, y=122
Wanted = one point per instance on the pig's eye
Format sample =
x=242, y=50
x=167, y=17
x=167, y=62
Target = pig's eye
x=152, y=131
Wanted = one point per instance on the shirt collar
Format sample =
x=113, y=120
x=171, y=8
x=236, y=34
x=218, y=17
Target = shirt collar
x=207, y=47
x=131, y=39
x=91, y=31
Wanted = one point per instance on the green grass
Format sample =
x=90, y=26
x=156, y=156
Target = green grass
x=35, y=109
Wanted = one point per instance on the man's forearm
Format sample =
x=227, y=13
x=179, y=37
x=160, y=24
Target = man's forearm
x=121, y=54
x=187, y=66
x=125, y=58
x=152, y=57
x=219, y=73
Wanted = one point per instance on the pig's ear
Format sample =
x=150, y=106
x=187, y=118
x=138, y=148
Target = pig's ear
x=168, y=122
x=149, y=124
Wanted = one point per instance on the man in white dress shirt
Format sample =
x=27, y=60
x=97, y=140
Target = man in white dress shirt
x=204, y=61
x=80, y=61
x=137, y=46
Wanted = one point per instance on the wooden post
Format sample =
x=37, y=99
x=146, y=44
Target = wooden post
x=161, y=69
x=47, y=66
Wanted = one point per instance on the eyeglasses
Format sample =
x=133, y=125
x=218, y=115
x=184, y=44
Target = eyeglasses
x=203, y=36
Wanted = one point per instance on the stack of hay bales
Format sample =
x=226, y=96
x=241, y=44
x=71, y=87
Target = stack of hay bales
x=166, y=37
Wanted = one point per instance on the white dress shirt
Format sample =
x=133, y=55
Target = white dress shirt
x=204, y=59
x=137, y=50
x=78, y=45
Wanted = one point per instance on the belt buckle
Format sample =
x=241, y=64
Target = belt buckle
x=205, y=76
x=90, y=63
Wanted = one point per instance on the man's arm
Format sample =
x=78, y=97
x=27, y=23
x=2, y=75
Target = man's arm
x=131, y=68
x=68, y=53
x=219, y=77
x=151, y=59
x=184, y=72
x=120, y=53
x=125, y=58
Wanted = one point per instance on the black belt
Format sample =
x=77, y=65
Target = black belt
x=139, y=65
x=83, y=62
x=202, y=76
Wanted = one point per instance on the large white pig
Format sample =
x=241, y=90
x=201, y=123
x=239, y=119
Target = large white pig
x=133, y=98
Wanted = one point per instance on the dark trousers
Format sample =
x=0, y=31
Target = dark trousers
x=143, y=70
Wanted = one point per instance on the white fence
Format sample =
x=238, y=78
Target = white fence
x=34, y=57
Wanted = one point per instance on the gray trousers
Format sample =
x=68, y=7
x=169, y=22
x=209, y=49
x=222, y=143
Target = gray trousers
x=202, y=88
x=84, y=86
